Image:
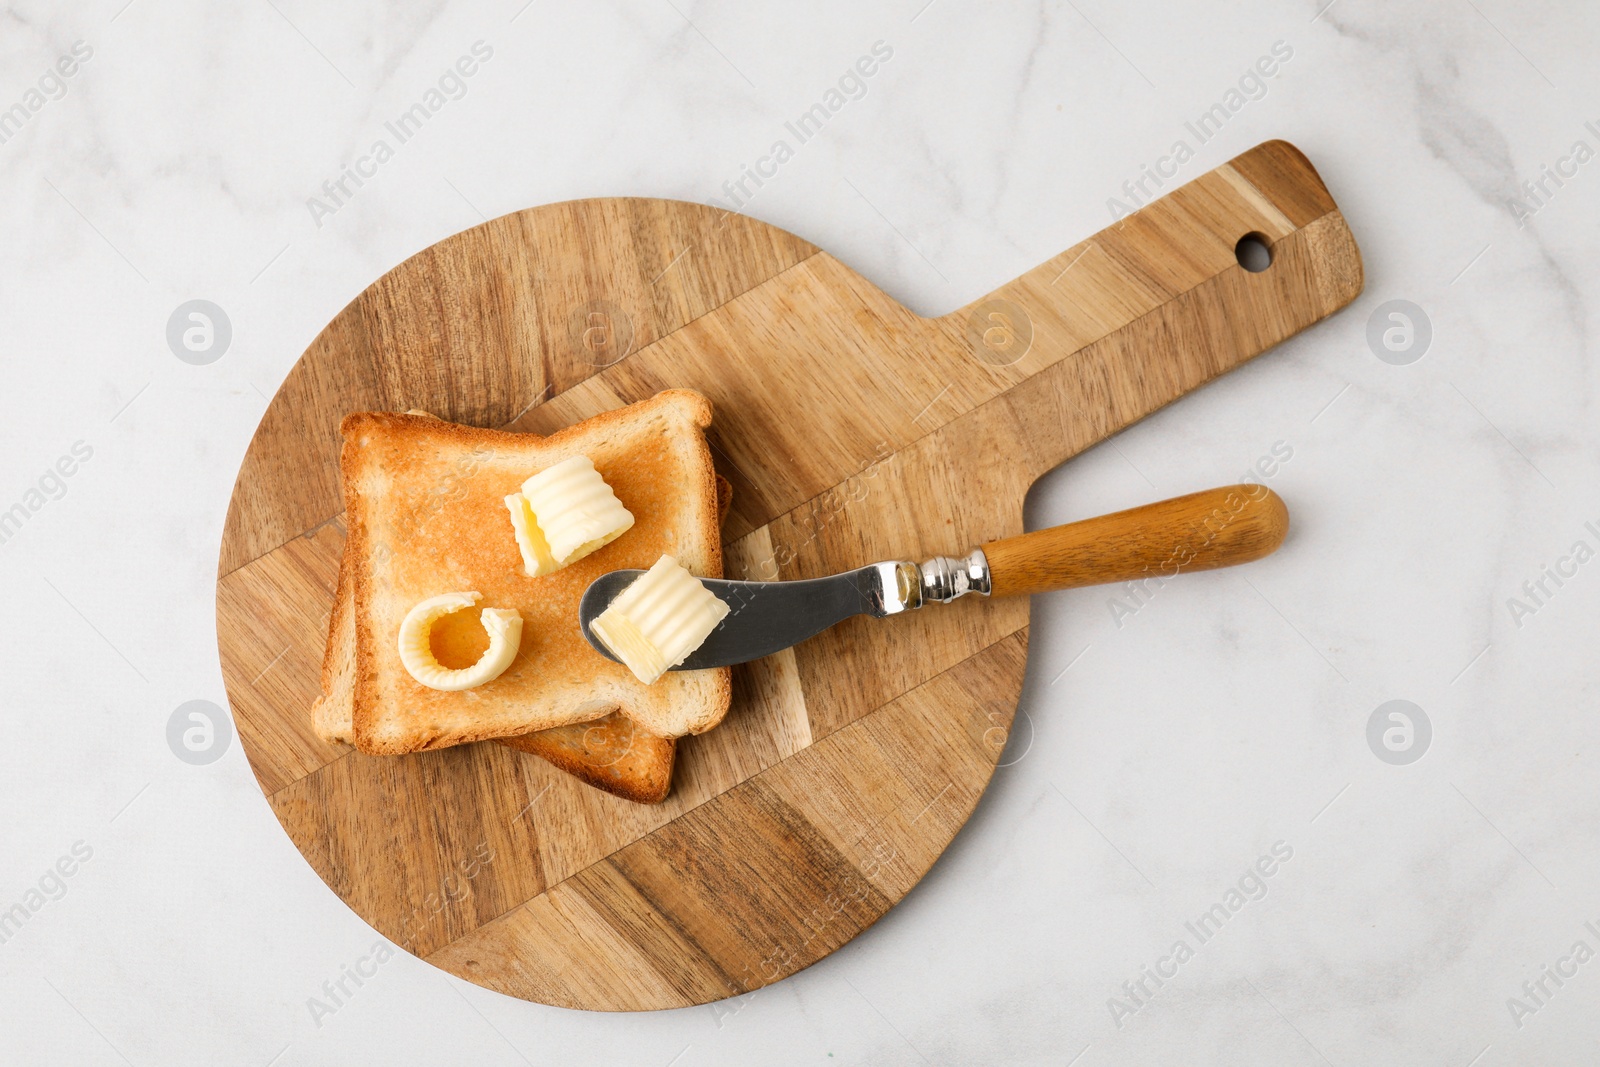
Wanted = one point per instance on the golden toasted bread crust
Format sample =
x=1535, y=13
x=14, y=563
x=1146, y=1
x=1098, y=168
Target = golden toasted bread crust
x=614, y=753
x=424, y=507
x=330, y=715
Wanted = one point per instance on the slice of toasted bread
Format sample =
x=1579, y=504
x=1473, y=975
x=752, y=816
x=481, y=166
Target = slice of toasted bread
x=425, y=505
x=330, y=715
x=613, y=753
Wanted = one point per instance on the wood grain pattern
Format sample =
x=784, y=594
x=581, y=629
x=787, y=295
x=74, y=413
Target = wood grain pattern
x=1195, y=532
x=852, y=430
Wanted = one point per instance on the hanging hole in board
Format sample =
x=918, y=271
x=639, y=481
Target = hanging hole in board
x=1253, y=253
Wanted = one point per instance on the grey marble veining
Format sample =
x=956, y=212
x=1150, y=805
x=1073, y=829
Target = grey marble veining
x=1427, y=912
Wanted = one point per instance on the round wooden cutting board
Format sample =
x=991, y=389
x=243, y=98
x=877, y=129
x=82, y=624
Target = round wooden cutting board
x=852, y=431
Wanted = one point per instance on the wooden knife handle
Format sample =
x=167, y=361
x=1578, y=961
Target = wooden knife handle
x=1212, y=528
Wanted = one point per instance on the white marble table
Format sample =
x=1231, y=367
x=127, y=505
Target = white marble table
x=1160, y=752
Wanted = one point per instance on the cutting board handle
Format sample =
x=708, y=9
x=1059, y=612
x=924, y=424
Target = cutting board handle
x=1198, y=532
x=1162, y=301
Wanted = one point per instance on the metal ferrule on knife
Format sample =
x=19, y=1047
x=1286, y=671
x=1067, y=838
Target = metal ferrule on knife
x=907, y=585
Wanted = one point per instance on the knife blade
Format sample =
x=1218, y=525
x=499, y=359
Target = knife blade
x=767, y=617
